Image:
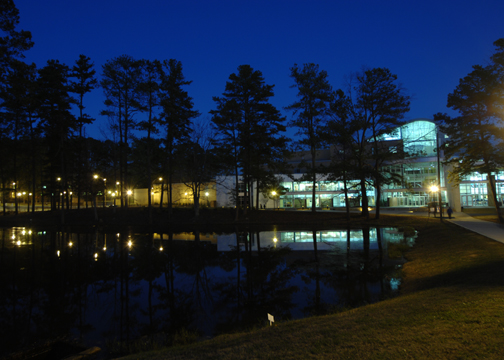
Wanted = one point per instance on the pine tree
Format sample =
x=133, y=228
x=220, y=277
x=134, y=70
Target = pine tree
x=57, y=122
x=248, y=128
x=475, y=140
x=84, y=82
x=177, y=113
x=149, y=90
x=121, y=78
x=312, y=111
x=378, y=107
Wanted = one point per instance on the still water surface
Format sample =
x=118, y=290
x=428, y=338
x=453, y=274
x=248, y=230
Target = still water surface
x=102, y=288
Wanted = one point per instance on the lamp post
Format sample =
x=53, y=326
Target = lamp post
x=439, y=176
x=104, y=191
x=58, y=191
x=19, y=200
x=161, y=194
x=15, y=197
x=117, y=192
x=94, y=194
x=129, y=193
x=273, y=193
x=434, y=189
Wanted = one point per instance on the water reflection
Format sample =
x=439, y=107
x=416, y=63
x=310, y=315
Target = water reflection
x=106, y=288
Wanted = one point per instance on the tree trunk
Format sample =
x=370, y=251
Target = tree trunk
x=378, y=199
x=345, y=190
x=364, y=199
x=161, y=196
x=196, y=205
x=314, y=180
x=491, y=180
x=237, y=189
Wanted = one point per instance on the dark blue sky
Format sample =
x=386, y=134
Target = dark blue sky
x=430, y=45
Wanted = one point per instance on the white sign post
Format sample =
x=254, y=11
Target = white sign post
x=271, y=319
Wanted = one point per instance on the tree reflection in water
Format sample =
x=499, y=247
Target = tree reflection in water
x=103, y=288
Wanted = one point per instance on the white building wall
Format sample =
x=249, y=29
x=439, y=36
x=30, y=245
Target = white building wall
x=225, y=185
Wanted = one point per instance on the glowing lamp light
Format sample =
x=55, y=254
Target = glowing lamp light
x=129, y=192
x=160, y=248
x=130, y=243
x=273, y=193
x=70, y=244
x=206, y=194
x=275, y=239
x=18, y=243
x=58, y=253
x=434, y=188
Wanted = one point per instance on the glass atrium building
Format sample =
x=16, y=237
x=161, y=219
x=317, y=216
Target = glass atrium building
x=420, y=169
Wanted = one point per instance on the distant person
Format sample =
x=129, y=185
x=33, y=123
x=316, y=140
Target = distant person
x=449, y=211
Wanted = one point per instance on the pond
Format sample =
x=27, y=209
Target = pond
x=109, y=290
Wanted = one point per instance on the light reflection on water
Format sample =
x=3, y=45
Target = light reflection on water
x=99, y=286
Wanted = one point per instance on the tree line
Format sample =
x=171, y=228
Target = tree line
x=156, y=135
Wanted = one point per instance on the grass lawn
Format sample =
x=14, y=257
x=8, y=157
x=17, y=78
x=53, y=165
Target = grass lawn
x=451, y=307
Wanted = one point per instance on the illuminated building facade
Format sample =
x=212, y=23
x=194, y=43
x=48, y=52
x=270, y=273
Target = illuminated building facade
x=419, y=168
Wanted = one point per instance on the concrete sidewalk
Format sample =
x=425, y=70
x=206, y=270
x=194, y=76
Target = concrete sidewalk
x=489, y=229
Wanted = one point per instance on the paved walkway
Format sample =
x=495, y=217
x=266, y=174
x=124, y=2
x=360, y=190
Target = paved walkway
x=489, y=229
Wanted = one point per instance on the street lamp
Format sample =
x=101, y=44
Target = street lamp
x=104, y=191
x=273, y=193
x=58, y=191
x=433, y=189
x=129, y=193
x=439, y=174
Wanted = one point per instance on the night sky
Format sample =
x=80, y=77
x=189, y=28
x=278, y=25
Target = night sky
x=430, y=45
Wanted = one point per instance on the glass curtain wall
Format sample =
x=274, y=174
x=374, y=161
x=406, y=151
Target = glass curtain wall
x=474, y=189
x=329, y=194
